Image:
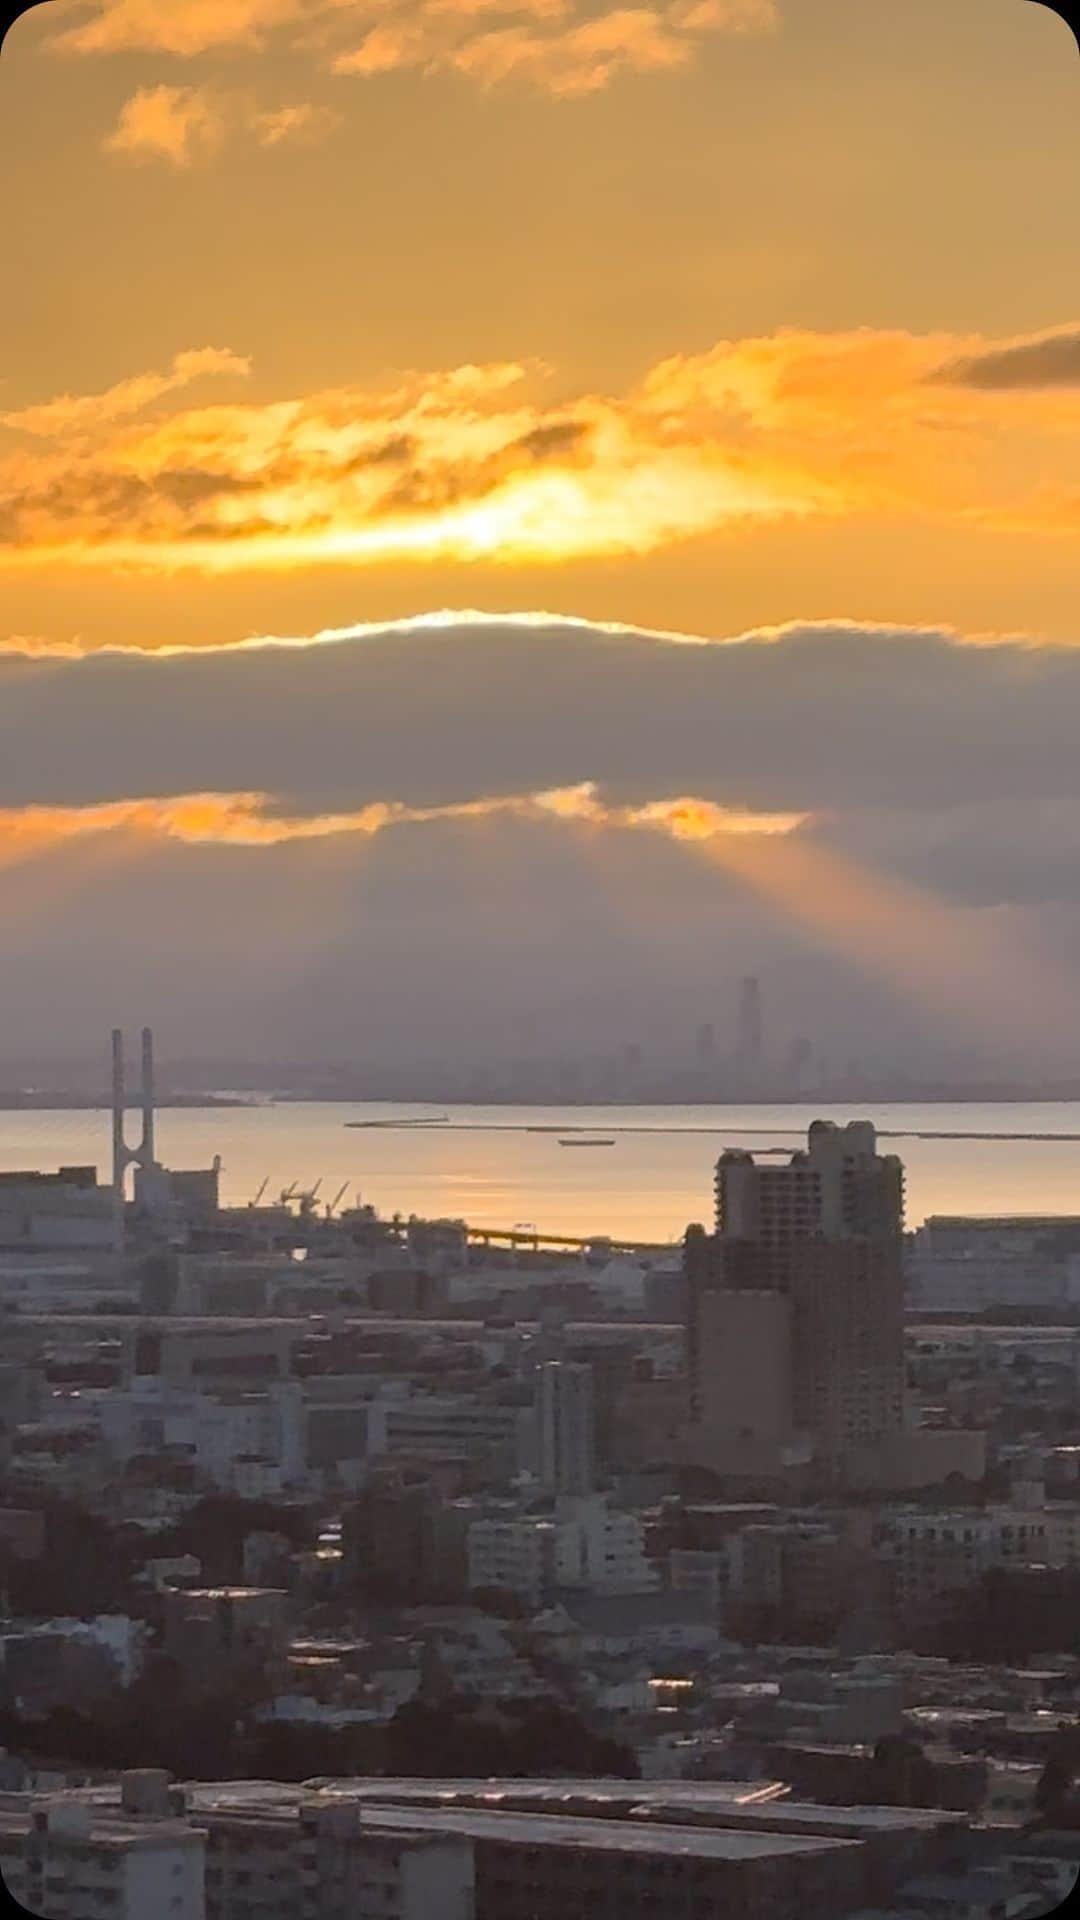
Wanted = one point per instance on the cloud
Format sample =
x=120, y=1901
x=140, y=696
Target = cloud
x=184, y=27
x=255, y=820
x=562, y=47
x=186, y=125
x=302, y=123
x=178, y=124
x=477, y=463
x=553, y=51
x=918, y=722
x=72, y=414
x=1050, y=359
x=580, y=809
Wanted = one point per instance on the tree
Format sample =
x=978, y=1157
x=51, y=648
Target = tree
x=214, y=1530
x=456, y=1739
x=1057, y=1796
x=900, y=1775
x=84, y=1567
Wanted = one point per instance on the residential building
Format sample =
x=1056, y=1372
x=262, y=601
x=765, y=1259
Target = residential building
x=566, y=1448
x=795, y=1343
x=66, y=1859
x=284, y=1857
x=515, y=1554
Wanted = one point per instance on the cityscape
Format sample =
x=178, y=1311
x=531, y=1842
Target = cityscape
x=355, y=1563
x=735, y=1058
x=539, y=960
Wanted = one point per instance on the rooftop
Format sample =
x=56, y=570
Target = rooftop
x=516, y=1828
x=106, y=1825
x=728, y=1804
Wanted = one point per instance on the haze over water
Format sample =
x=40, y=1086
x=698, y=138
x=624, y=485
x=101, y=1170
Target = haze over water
x=648, y=1185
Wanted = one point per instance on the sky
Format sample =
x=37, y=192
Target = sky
x=514, y=513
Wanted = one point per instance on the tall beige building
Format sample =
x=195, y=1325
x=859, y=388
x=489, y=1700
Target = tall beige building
x=795, y=1307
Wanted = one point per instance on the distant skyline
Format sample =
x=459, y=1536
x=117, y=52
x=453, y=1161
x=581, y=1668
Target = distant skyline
x=744, y=335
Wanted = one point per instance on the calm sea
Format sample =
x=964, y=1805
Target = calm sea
x=483, y=1167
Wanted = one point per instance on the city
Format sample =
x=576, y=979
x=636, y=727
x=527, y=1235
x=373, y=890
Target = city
x=350, y=1559
x=539, y=960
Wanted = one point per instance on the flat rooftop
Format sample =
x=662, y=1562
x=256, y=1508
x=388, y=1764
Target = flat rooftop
x=714, y=1820
x=514, y=1828
x=728, y=1804
x=108, y=1827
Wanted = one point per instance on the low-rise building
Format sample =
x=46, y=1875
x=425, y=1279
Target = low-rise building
x=67, y=1859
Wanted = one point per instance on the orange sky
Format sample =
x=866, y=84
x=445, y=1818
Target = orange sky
x=697, y=318
x=350, y=309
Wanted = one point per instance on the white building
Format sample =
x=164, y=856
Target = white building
x=959, y=1264
x=583, y=1546
x=601, y=1549
x=67, y=1860
x=243, y=1442
x=941, y=1553
x=269, y=1858
x=513, y=1555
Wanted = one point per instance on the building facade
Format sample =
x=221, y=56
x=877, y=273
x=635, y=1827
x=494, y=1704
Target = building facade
x=795, y=1345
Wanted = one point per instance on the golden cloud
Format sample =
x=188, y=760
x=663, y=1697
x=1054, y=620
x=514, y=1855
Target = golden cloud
x=252, y=820
x=185, y=125
x=302, y=124
x=179, y=124
x=184, y=27
x=560, y=46
x=69, y=414
x=475, y=464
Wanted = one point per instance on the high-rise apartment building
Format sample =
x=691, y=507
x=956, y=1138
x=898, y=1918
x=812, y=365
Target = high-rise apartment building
x=837, y=1188
x=565, y=1429
x=795, y=1304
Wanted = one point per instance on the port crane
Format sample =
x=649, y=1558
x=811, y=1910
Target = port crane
x=333, y=1205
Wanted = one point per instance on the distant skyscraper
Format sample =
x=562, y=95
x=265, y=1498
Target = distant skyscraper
x=795, y=1304
x=706, y=1043
x=750, y=1046
x=565, y=1427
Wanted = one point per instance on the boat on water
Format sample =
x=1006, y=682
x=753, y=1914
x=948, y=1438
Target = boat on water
x=419, y=1120
x=586, y=1143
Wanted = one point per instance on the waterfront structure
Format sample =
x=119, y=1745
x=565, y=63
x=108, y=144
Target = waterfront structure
x=123, y=1155
x=164, y=1200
